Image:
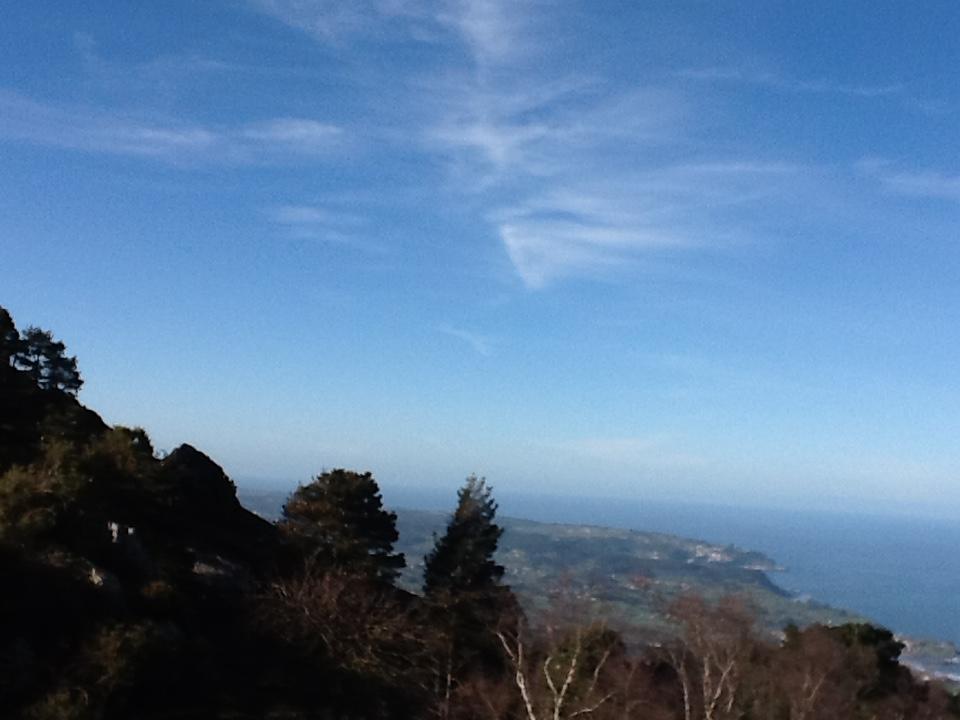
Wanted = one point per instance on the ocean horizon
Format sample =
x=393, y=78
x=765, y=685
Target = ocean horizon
x=900, y=572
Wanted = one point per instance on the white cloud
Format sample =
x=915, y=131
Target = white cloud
x=298, y=134
x=917, y=183
x=538, y=127
x=585, y=200
x=27, y=120
x=328, y=20
x=302, y=215
x=780, y=82
x=493, y=30
x=482, y=344
x=590, y=227
x=542, y=251
x=924, y=184
x=326, y=224
x=501, y=145
x=315, y=215
x=83, y=128
x=563, y=166
x=510, y=129
x=490, y=31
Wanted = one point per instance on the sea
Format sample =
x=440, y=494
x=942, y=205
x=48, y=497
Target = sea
x=900, y=572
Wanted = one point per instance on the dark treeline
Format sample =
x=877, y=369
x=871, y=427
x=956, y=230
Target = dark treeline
x=134, y=585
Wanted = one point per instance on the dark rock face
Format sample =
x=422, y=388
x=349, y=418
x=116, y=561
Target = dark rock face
x=208, y=514
x=200, y=483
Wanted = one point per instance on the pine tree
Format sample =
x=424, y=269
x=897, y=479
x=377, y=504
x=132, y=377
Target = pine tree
x=462, y=561
x=337, y=521
x=463, y=590
x=9, y=340
x=43, y=358
x=31, y=364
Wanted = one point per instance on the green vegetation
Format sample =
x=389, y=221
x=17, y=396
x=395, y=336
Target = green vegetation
x=137, y=586
x=626, y=576
x=462, y=561
x=338, y=521
x=462, y=591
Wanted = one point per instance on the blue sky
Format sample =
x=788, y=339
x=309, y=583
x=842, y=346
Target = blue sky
x=677, y=250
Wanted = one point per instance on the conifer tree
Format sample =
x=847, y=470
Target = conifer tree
x=462, y=561
x=463, y=590
x=9, y=339
x=338, y=521
x=43, y=358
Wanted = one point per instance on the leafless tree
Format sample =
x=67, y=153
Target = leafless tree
x=809, y=670
x=359, y=625
x=565, y=678
x=712, y=658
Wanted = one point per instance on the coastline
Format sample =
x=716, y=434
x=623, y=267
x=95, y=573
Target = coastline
x=928, y=658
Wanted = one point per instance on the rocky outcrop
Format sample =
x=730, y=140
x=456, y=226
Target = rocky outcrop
x=209, y=517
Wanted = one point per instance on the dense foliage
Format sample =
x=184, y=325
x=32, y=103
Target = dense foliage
x=338, y=521
x=136, y=586
x=462, y=561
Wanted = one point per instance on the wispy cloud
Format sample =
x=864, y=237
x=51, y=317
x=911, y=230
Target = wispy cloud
x=544, y=152
x=536, y=127
x=328, y=20
x=777, y=81
x=493, y=30
x=297, y=134
x=566, y=234
x=329, y=224
x=481, y=344
x=165, y=75
x=300, y=215
x=566, y=163
x=83, y=128
x=923, y=184
x=490, y=31
x=916, y=183
x=572, y=172
x=556, y=150
x=591, y=227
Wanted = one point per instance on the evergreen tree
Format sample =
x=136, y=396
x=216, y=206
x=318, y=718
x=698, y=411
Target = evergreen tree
x=43, y=358
x=463, y=590
x=338, y=521
x=9, y=340
x=29, y=415
x=462, y=561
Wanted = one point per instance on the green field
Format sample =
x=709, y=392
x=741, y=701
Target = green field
x=626, y=577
